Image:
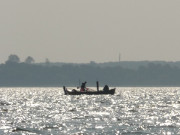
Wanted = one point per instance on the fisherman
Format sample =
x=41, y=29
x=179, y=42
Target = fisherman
x=106, y=88
x=83, y=86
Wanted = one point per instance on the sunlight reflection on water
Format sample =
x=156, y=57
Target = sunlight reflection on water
x=147, y=110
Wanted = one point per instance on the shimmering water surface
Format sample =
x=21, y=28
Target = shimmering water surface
x=130, y=111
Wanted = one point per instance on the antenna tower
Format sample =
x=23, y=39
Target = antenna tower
x=119, y=57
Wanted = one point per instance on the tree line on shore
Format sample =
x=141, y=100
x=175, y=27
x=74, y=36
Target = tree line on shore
x=16, y=73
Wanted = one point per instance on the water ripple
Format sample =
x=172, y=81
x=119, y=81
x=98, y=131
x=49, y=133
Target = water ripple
x=130, y=111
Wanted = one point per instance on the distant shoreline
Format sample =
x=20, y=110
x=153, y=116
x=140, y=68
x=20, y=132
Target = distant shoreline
x=158, y=74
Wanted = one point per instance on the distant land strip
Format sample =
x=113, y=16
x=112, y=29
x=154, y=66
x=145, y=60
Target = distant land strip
x=140, y=73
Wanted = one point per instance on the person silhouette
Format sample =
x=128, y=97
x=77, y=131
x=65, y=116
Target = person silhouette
x=83, y=86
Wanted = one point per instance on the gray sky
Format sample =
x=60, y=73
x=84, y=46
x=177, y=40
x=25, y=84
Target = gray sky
x=85, y=30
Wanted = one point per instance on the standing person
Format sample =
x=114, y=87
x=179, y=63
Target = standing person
x=83, y=86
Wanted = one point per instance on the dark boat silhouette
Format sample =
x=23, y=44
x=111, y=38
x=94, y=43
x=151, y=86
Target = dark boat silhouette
x=105, y=90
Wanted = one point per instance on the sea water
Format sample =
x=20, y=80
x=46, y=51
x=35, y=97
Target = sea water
x=131, y=111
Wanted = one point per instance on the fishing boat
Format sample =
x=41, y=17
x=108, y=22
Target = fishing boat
x=87, y=91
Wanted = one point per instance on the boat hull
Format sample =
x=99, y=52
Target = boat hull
x=75, y=92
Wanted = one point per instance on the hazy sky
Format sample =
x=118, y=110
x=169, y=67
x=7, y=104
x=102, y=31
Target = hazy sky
x=90, y=30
